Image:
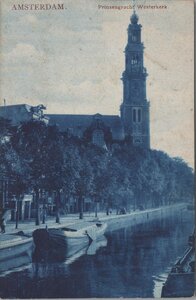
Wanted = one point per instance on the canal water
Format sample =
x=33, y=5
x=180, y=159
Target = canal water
x=131, y=262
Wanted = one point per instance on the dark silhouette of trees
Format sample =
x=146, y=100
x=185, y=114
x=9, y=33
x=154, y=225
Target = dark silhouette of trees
x=30, y=141
x=40, y=146
x=41, y=158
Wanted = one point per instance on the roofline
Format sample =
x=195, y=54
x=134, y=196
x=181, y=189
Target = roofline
x=85, y=115
x=15, y=105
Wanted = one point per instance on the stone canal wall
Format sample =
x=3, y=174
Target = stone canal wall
x=150, y=216
x=158, y=216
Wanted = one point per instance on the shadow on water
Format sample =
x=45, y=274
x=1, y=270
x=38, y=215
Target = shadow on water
x=61, y=254
x=132, y=262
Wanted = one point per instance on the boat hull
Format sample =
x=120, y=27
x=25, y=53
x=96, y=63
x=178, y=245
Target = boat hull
x=179, y=285
x=56, y=242
x=15, y=251
x=15, y=262
x=62, y=243
x=15, y=246
x=180, y=281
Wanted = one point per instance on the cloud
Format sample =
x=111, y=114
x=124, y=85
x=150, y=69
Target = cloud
x=177, y=140
x=23, y=53
x=69, y=95
x=28, y=18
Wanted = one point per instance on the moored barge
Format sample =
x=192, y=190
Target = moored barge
x=181, y=279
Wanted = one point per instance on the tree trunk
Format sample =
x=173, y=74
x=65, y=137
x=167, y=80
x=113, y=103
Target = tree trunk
x=44, y=213
x=57, y=207
x=17, y=212
x=81, y=207
x=37, y=219
x=96, y=209
x=107, y=210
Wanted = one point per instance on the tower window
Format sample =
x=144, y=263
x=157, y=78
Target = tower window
x=134, y=38
x=134, y=115
x=137, y=115
x=134, y=59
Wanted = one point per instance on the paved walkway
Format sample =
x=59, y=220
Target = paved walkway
x=29, y=226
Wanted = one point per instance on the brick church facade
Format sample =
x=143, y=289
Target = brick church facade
x=133, y=122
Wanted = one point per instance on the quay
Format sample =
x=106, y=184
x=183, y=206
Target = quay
x=113, y=221
x=150, y=221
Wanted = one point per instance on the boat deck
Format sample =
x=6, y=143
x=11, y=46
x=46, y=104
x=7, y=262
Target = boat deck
x=9, y=240
x=9, y=237
x=78, y=226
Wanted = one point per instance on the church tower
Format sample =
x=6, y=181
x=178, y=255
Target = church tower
x=135, y=107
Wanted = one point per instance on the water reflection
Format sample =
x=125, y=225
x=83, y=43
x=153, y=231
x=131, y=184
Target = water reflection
x=95, y=245
x=42, y=269
x=158, y=283
x=61, y=254
x=132, y=262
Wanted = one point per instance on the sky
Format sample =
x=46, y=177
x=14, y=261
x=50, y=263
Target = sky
x=72, y=60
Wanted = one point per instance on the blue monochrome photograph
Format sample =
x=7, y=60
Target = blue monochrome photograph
x=97, y=149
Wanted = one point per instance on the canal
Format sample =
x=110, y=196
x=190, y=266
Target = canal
x=131, y=262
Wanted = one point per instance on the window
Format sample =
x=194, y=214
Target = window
x=134, y=115
x=134, y=38
x=137, y=115
x=135, y=59
x=98, y=137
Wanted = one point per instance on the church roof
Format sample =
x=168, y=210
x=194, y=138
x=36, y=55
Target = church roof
x=75, y=123
x=15, y=113
x=83, y=121
x=20, y=113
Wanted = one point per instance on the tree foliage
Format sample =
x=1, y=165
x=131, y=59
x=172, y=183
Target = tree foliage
x=123, y=176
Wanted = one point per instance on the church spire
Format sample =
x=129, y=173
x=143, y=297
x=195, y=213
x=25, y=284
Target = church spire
x=135, y=107
x=134, y=18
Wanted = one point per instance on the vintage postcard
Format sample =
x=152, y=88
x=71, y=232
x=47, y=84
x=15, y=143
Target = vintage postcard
x=97, y=149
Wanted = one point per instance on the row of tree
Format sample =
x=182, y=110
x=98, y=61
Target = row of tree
x=39, y=157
